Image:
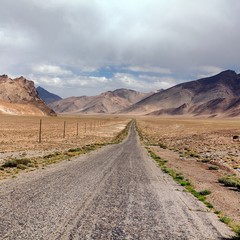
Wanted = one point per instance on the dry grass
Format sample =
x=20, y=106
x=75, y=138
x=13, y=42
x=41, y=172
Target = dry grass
x=22, y=133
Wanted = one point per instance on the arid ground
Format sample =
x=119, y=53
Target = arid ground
x=22, y=133
x=203, y=150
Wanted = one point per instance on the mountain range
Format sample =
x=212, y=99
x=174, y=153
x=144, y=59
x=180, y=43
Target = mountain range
x=215, y=96
x=107, y=102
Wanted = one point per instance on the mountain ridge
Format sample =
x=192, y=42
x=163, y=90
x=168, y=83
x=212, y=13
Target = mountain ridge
x=214, y=96
x=225, y=85
x=106, y=102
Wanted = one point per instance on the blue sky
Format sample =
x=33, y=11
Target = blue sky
x=85, y=47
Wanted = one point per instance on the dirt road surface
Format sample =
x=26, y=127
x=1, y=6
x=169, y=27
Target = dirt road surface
x=117, y=192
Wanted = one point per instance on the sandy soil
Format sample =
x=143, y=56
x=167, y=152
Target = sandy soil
x=116, y=193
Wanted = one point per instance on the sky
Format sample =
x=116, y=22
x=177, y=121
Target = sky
x=85, y=47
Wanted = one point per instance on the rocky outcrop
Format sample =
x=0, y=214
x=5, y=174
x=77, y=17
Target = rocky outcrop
x=20, y=91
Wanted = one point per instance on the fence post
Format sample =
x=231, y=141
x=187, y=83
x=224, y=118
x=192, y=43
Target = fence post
x=77, y=129
x=64, y=129
x=40, y=131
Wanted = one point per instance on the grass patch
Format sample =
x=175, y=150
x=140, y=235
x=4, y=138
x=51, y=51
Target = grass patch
x=162, y=145
x=230, y=181
x=16, y=163
x=205, y=160
x=225, y=219
x=194, y=155
x=205, y=192
x=213, y=167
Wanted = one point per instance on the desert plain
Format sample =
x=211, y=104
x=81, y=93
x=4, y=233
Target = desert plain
x=203, y=150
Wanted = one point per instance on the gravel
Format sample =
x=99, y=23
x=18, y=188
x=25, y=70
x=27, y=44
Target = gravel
x=117, y=192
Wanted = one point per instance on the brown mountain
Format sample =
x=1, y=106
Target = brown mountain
x=108, y=102
x=19, y=96
x=216, y=95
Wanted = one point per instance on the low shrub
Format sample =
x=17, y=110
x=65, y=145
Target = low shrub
x=225, y=219
x=19, y=163
x=194, y=155
x=213, y=167
x=10, y=163
x=205, y=192
x=74, y=150
x=161, y=145
x=230, y=181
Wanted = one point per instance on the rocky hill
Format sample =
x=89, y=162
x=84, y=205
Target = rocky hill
x=107, y=102
x=47, y=96
x=19, y=96
x=212, y=96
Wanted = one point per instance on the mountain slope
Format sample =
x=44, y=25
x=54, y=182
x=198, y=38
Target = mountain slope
x=108, y=102
x=46, y=96
x=19, y=96
x=190, y=97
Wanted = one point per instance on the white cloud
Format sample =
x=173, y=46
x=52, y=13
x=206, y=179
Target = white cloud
x=50, y=70
x=66, y=42
x=143, y=82
x=149, y=69
x=206, y=71
x=88, y=85
x=48, y=81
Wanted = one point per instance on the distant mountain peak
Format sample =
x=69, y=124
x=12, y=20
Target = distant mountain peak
x=47, y=96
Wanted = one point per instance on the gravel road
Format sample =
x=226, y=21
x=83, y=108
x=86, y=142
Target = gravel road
x=116, y=192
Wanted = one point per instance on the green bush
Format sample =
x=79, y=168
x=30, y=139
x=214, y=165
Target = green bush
x=225, y=219
x=74, y=150
x=213, y=167
x=161, y=145
x=19, y=163
x=205, y=192
x=208, y=204
x=230, y=181
x=10, y=163
x=194, y=155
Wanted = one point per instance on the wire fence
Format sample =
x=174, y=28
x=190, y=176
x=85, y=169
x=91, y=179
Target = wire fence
x=55, y=132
